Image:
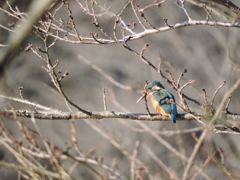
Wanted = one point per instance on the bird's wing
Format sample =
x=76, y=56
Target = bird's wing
x=167, y=101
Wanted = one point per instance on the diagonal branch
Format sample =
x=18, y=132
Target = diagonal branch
x=229, y=4
x=99, y=70
x=206, y=130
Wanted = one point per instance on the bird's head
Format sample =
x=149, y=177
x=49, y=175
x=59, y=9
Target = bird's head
x=154, y=85
x=151, y=88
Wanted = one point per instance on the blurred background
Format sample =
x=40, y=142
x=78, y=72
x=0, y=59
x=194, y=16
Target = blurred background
x=209, y=53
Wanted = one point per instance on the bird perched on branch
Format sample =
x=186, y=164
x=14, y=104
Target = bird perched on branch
x=162, y=100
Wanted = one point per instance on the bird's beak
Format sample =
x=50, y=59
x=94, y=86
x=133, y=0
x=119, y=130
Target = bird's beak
x=143, y=96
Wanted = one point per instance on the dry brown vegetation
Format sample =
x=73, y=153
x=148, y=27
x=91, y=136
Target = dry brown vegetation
x=72, y=71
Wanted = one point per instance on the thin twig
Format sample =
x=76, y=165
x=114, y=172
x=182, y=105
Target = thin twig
x=215, y=93
x=104, y=100
x=133, y=161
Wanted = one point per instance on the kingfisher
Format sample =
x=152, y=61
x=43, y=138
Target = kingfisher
x=162, y=100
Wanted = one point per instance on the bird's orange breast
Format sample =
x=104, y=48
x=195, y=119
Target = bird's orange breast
x=158, y=107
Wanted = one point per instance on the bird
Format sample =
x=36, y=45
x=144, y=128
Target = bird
x=162, y=100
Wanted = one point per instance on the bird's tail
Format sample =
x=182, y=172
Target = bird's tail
x=173, y=117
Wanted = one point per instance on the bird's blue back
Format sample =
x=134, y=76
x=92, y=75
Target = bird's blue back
x=163, y=97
